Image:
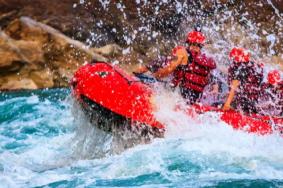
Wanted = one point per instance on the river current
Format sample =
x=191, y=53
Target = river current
x=43, y=144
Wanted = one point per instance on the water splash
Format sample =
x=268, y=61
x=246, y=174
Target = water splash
x=201, y=152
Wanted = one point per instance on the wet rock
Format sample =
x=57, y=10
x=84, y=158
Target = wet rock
x=110, y=50
x=278, y=4
x=13, y=83
x=38, y=56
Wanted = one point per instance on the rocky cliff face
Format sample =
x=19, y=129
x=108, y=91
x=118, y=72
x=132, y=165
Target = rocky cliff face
x=35, y=56
x=39, y=40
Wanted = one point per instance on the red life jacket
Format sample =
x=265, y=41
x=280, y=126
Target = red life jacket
x=194, y=75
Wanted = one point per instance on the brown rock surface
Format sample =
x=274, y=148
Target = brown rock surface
x=38, y=56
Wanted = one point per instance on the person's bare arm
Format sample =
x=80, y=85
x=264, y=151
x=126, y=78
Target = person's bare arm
x=234, y=85
x=181, y=58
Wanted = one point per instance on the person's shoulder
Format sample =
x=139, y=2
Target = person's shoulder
x=255, y=64
x=209, y=61
x=204, y=56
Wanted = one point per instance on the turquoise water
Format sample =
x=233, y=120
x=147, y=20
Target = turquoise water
x=44, y=144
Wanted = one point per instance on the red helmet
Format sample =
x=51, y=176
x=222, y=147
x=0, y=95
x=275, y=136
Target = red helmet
x=273, y=77
x=195, y=37
x=239, y=55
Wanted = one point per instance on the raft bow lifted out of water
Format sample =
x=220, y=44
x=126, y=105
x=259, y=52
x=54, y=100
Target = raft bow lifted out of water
x=117, y=97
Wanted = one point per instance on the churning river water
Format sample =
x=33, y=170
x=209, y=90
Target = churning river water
x=43, y=144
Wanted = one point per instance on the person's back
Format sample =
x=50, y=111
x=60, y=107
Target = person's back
x=250, y=75
x=244, y=78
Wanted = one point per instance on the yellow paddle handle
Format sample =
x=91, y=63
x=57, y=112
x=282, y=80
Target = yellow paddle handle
x=234, y=85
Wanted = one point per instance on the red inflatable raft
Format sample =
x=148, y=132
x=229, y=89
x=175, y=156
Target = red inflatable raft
x=116, y=97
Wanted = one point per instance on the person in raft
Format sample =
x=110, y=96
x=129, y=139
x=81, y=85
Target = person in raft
x=244, y=78
x=190, y=69
x=271, y=102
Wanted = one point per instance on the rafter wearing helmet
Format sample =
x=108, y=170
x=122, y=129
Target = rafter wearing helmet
x=189, y=68
x=245, y=78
